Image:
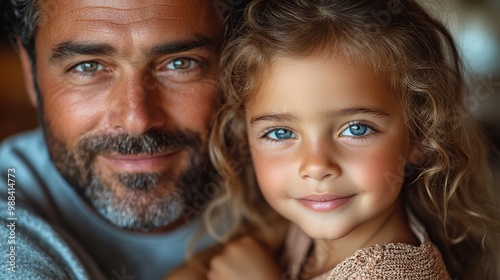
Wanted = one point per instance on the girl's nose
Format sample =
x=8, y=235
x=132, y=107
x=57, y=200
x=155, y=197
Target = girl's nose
x=318, y=162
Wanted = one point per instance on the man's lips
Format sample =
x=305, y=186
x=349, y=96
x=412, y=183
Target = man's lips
x=144, y=163
x=324, y=202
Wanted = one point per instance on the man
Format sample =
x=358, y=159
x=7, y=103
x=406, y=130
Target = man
x=125, y=92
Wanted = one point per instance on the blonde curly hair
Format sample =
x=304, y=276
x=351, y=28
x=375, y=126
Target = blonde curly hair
x=449, y=189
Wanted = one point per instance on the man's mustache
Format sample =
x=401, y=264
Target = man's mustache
x=151, y=142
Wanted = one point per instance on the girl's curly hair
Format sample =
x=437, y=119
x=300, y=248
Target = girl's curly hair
x=449, y=188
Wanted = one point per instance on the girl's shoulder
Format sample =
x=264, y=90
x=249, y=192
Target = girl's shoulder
x=393, y=261
x=396, y=260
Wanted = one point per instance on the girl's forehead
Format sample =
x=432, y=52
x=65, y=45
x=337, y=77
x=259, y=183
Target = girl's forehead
x=324, y=81
x=319, y=68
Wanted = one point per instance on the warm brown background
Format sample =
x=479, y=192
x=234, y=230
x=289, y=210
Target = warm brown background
x=16, y=113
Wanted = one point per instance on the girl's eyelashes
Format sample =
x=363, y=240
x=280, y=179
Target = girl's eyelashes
x=278, y=134
x=358, y=129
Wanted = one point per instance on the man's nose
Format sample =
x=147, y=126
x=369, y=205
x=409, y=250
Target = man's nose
x=137, y=104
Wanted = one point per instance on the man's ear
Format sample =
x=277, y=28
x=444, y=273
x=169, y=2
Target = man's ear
x=29, y=81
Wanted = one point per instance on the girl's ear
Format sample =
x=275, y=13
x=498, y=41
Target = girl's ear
x=26, y=65
x=416, y=154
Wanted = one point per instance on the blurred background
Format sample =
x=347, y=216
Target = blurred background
x=474, y=23
x=16, y=113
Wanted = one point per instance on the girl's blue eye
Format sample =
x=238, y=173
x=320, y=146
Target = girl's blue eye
x=356, y=130
x=280, y=134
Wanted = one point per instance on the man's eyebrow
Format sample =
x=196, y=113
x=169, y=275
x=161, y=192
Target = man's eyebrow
x=286, y=117
x=180, y=46
x=69, y=49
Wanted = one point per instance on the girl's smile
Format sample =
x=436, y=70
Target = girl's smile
x=323, y=202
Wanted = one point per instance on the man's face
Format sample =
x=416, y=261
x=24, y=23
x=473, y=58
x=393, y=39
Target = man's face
x=127, y=94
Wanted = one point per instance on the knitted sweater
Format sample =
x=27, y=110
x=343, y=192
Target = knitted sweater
x=389, y=261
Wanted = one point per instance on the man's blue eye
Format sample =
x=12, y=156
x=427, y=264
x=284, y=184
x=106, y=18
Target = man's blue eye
x=281, y=134
x=356, y=130
x=181, y=64
x=89, y=66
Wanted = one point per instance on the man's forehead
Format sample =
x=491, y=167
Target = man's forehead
x=153, y=13
x=129, y=5
x=127, y=22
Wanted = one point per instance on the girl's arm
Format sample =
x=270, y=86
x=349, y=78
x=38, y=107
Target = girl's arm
x=195, y=269
x=244, y=258
x=186, y=271
x=252, y=256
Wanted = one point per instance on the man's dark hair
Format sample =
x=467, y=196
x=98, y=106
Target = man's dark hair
x=21, y=21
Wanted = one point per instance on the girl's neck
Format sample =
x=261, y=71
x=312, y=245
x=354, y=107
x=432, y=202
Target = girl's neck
x=389, y=228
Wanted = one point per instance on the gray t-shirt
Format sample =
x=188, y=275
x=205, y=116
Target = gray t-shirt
x=118, y=254
x=35, y=250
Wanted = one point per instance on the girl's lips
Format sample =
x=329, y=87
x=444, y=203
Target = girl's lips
x=142, y=163
x=323, y=202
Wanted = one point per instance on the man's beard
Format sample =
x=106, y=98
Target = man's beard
x=147, y=203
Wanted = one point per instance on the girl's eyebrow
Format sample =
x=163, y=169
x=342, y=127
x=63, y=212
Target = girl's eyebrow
x=363, y=111
x=284, y=117
x=287, y=117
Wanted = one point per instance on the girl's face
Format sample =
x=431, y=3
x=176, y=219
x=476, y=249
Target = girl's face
x=329, y=144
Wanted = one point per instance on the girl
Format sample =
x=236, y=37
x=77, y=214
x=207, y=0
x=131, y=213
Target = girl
x=356, y=120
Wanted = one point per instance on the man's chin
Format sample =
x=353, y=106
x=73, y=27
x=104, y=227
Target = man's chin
x=139, y=207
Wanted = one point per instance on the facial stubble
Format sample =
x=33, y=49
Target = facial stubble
x=133, y=201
